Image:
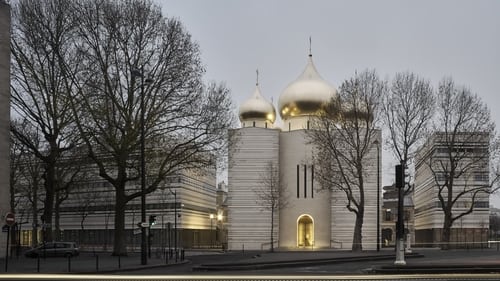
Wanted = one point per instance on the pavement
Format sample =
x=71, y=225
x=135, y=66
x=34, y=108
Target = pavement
x=420, y=261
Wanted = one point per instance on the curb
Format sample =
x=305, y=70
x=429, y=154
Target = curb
x=134, y=268
x=292, y=263
x=450, y=268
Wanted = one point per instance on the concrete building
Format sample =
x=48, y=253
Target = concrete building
x=182, y=205
x=313, y=218
x=472, y=229
x=4, y=116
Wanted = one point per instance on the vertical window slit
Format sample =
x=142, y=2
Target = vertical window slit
x=297, y=181
x=312, y=181
x=305, y=181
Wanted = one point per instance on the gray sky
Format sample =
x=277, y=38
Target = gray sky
x=432, y=38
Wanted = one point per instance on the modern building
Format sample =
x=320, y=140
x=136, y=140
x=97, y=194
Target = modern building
x=312, y=218
x=180, y=212
x=470, y=230
x=4, y=116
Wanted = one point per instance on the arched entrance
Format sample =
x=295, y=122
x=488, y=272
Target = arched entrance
x=305, y=231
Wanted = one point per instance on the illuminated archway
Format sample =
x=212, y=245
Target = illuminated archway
x=305, y=231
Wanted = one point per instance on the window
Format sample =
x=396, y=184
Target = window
x=388, y=215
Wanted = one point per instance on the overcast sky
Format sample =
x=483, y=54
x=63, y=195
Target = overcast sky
x=432, y=38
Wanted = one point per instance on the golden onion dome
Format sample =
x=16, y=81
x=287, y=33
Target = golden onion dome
x=257, y=108
x=306, y=95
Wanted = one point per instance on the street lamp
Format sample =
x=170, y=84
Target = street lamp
x=175, y=223
x=377, y=144
x=212, y=216
x=140, y=73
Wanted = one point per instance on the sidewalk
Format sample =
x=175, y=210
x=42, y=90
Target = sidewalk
x=84, y=263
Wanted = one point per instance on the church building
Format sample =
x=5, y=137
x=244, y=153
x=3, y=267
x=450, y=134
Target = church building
x=313, y=218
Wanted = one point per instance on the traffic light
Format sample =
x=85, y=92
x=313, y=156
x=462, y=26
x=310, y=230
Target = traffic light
x=402, y=176
x=152, y=220
x=399, y=176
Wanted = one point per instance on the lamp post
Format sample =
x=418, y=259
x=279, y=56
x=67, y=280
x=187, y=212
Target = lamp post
x=377, y=144
x=140, y=73
x=219, y=232
x=212, y=216
x=175, y=223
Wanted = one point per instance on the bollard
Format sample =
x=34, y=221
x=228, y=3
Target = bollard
x=182, y=255
x=69, y=263
x=38, y=263
x=97, y=263
x=119, y=262
x=166, y=258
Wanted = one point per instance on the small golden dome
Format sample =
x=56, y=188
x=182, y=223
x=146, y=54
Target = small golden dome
x=306, y=95
x=257, y=108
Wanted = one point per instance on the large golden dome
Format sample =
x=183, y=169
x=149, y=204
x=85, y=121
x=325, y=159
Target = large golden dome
x=306, y=95
x=257, y=108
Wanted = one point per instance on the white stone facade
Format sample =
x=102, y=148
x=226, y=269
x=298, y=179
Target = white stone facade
x=471, y=229
x=251, y=148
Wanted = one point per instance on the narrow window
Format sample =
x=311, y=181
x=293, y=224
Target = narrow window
x=289, y=126
x=297, y=181
x=308, y=124
x=305, y=181
x=312, y=181
x=254, y=123
x=266, y=125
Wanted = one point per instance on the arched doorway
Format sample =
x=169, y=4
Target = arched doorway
x=305, y=231
x=387, y=237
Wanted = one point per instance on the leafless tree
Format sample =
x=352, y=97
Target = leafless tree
x=270, y=195
x=408, y=108
x=40, y=47
x=464, y=137
x=122, y=45
x=27, y=171
x=344, y=137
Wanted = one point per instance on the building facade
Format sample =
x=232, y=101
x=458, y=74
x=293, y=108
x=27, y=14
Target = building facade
x=312, y=217
x=431, y=173
x=180, y=212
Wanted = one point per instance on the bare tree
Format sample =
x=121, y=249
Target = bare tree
x=40, y=46
x=270, y=195
x=27, y=172
x=407, y=109
x=123, y=44
x=464, y=138
x=344, y=137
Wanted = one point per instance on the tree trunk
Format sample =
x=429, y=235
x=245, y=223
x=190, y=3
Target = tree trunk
x=357, y=238
x=34, y=232
x=48, y=202
x=445, y=238
x=119, y=248
x=57, y=217
x=272, y=229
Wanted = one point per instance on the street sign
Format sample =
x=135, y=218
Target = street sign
x=10, y=219
x=144, y=224
x=5, y=228
x=137, y=231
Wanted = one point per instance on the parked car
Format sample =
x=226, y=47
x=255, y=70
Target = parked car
x=54, y=249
